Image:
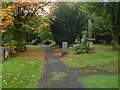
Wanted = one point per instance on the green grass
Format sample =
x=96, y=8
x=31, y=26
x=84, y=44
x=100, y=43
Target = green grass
x=33, y=47
x=100, y=81
x=103, y=55
x=23, y=71
x=57, y=76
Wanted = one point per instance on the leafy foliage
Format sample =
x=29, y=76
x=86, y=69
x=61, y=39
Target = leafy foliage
x=84, y=36
x=10, y=46
x=46, y=36
x=69, y=23
x=32, y=36
x=108, y=19
x=16, y=14
x=80, y=48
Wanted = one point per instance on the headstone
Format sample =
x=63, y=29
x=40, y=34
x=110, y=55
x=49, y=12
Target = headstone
x=64, y=48
x=90, y=39
x=89, y=29
x=5, y=54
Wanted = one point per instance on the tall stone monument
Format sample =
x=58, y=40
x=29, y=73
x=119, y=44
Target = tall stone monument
x=64, y=48
x=90, y=39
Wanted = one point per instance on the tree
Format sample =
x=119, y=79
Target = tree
x=112, y=10
x=16, y=14
x=70, y=22
x=101, y=28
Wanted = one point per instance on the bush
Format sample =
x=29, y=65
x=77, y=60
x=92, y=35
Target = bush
x=80, y=48
x=46, y=35
x=47, y=42
x=11, y=46
x=21, y=46
x=34, y=42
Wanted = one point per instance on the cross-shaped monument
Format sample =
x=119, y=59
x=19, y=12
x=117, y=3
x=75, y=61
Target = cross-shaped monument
x=90, y=39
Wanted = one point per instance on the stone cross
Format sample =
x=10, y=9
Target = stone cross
x=90, y=39
x=64, y=48
x=89, y=29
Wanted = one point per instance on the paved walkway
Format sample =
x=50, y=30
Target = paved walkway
x=58, y=75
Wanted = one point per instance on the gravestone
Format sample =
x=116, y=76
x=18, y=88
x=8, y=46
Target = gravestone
x=90, y=39
x=6, y=53
x=64, y=48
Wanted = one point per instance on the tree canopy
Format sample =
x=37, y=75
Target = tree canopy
x=70, y=22
x=16, y=16
x=108, y=14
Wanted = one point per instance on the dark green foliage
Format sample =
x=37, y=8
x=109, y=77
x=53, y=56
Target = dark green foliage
x=10, y=46
x=47, y=41
x=80, y=48
x=7, y=36
x=19, y=37
x=110, y=21
x=46, y=36
x=32, y=37
x=102, y=29
x=71, y=20
x=16, y=34
x=84, y=36
x=8, y=41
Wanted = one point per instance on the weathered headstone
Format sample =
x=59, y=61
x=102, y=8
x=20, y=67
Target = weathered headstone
x=64, y=48
x=89, y=29
x=5, y=54
x=90, y=39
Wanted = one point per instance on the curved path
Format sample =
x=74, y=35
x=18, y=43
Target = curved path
x=58, y=75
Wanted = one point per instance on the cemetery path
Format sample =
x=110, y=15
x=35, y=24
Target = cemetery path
x=58, y=75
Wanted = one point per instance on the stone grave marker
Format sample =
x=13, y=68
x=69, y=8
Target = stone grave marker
x=90, y=39
x=64, y=48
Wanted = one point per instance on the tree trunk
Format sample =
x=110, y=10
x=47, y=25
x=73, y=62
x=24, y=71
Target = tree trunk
x=115, y=37
x=115, y=42
x=115, y=25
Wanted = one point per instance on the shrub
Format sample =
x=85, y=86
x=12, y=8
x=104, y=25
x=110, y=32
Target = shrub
x=34, y=42
x=11, y=46
x=47, y=42
x=80, y=48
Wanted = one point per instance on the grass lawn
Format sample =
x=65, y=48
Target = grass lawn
x=100, y=81
x=103, y=58
x=23, y=70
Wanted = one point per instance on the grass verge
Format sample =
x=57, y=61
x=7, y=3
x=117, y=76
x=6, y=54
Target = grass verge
x=23, y=70
x=100, y=81
x=103, y=56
